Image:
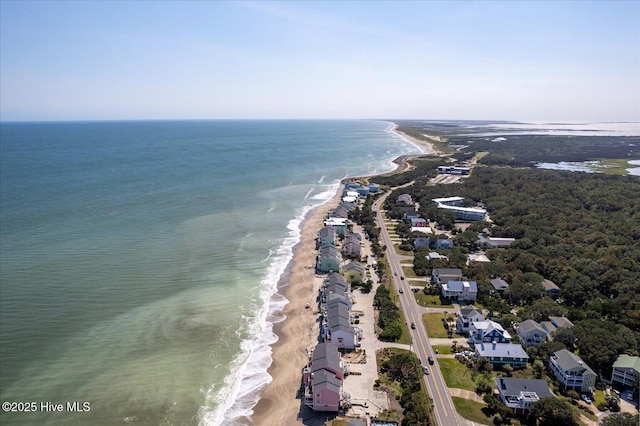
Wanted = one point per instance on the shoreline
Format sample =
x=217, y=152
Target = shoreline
x=298, y=333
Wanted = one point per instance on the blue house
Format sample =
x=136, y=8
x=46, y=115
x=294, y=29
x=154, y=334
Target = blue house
x=421, y=242
x=502, y=354
x=444, y=244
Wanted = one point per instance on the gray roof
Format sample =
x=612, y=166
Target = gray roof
x=570, y=361
x=447, y=272
x=325, y=356
x=337, y=279
x=509, y=350
x=530, y=325
x=469, y=310
x=561, y=322
x=454, y=285
x=326, y=232
x=512, y=386
x=499, y=284
x=549, y=285
x=337, y=298
x=338, y=310
x=336, y=323
x=359, y=267
x=326, y=379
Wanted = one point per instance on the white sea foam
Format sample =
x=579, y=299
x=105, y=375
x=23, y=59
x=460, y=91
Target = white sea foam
x=248, y=376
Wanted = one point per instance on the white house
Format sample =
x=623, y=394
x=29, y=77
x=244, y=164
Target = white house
x=626, y=370
x=460, y=290
x=467, y=316
x=572, y=372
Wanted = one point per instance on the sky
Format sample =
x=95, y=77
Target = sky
x=542, y=61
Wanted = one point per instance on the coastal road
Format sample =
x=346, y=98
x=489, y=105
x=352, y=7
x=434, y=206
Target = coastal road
x=444, y=409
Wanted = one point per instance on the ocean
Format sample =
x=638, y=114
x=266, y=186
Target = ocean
x=139, y=261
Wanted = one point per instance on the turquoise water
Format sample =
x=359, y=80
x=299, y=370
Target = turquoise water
x=139, y=260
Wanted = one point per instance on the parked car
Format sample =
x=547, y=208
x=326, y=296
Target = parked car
x=586, y=399
x=459, y=355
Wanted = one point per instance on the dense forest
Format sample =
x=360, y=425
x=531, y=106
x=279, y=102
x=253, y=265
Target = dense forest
x=522, y=150
x=580, y=230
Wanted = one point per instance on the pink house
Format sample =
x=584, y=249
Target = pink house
x=322, y=378
x=325, y=391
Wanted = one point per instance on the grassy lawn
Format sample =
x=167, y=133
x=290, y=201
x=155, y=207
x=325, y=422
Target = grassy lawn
x=442, y=349
x=456, y=375
x=405, y=337
x=408, y=272
x=434, y=326
x=599, y=398
x=471, y=410
x=427, y=300
x=402, y=252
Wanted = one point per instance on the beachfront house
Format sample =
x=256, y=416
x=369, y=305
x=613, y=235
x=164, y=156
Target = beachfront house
x=334, y=280
x=572, y=372
x=625, y=372
x=531, y=333
x=325, y=391
x=520, y=394
x=467, y=316
x=326, y=237
x=324, y=356
x=329, y=259
x=487, y=331
x=338, y=224
x=322, y=378
x=340, y=212
x=499, y=354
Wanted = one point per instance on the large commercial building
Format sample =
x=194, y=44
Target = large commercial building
x=454, y=204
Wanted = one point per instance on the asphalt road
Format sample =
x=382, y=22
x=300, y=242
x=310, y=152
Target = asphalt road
x=445, y=411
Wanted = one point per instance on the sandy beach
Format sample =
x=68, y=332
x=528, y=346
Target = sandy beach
x=280, y=403
x=425, y=146
x=298, y=333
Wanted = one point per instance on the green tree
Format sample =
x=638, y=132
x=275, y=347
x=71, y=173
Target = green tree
x=551, y=411
x=620, y=419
